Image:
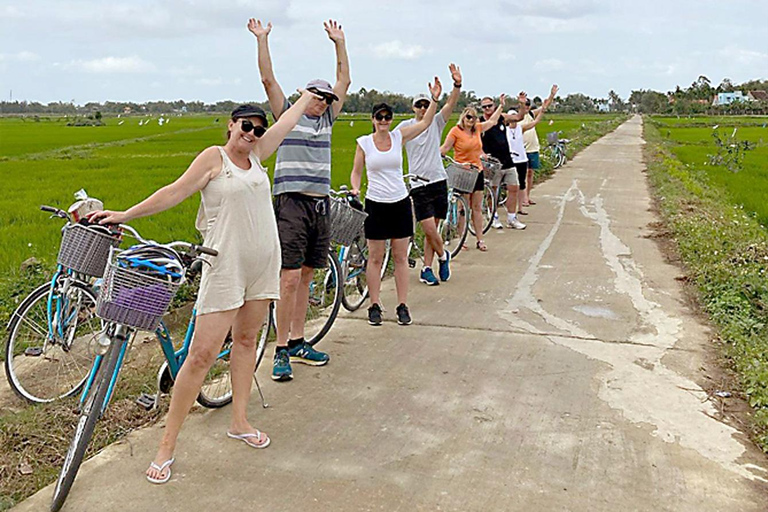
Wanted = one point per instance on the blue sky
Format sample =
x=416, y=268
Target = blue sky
x=140, y=50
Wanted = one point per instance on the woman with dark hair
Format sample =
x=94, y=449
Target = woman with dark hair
x=237, y=219
x=464, y=139
x=387, y=201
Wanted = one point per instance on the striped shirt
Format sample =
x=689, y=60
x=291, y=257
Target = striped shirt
x=304, y=157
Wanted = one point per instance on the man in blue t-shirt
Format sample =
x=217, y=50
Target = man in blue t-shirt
x=301, y=187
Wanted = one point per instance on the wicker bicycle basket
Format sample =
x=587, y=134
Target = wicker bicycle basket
x=346, y=222
x=491, y=169
x=460, y=178
x=553, y=137
x=85, y=250
x=134, y=298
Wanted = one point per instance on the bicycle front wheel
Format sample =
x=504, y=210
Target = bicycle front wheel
x=47, y=355
x=454, y=228
x=324, y=301
x=355, y=279
x=488, y=209
x=90, y=414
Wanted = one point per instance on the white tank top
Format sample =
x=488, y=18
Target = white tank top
x=384, y=169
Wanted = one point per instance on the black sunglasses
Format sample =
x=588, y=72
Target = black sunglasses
x=326, y=97
x=383, y=117
x=469, y=117
x=247, y=126
x=487, y=106
x=422, y=104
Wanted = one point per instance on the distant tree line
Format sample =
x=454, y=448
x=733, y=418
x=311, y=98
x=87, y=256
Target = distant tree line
x=695, y=99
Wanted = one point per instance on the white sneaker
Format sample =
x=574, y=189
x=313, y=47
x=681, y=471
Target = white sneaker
x=515, y=224
x=496, y=224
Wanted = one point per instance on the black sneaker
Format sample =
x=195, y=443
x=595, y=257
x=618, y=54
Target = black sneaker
x=403, y=316
x=374, y=314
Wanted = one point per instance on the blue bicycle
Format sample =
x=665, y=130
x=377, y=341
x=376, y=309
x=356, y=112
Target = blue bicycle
x=135, y=294
x=47, y=354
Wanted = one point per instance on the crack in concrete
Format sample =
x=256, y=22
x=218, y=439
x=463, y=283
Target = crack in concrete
x=538, y=334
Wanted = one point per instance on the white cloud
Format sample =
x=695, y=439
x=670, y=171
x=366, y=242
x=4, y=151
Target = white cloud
x=23, y=56
x=398, y=50
x=559, y=9
x=108, y=65
x=742, y=56
x=216, y=82
x=549, y=65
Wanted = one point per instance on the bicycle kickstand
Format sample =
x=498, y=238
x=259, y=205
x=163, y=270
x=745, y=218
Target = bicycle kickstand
x=263, y=403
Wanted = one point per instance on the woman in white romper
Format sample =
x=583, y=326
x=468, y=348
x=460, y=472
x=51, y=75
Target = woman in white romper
x=237, y=219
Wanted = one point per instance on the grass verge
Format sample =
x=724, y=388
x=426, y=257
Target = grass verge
x=724, y=251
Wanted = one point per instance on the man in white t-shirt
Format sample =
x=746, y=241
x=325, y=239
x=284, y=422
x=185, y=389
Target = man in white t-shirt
x=430, y=198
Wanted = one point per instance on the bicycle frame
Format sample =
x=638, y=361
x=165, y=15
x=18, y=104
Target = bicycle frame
x=174, y=358
x=55, y=323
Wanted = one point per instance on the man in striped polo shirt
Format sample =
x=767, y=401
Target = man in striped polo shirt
x=301, y=187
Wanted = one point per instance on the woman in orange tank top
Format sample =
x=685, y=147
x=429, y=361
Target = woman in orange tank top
x=464, y=139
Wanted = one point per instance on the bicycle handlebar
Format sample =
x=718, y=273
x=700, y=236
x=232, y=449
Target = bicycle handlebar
x=415, y=177
x=193, y=249
x=55, y=211
x=464, y=165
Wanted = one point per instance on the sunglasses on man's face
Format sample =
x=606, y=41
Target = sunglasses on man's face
x=422, y=104
x=383, y=117
x=323, y=97
x=247, y=126
x=486, y=107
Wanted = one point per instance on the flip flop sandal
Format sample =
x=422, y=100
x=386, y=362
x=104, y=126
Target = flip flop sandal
x=162, y=467
x=245, y=438
x=531, y=203
x=481, y=246
x=521, y=212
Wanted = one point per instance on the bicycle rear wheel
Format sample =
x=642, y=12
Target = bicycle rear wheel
x=41, y=365
x=454, y=228
x=355, y=280
x=488, y=209
x=90, y=414
x=325, y=292
x=217, y=386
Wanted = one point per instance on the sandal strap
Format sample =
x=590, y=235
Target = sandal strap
x=162, y=466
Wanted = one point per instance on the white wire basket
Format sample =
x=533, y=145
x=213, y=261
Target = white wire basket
x=134, y=298
x=85, y=249
x=460, y=178
x=346, y=222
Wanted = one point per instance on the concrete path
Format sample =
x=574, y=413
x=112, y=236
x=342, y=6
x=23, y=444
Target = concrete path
x=557, y=372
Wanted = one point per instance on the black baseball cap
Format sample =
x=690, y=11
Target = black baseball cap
x=381, y=107
x=248, y=110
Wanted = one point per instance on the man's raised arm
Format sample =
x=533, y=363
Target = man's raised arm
x=274, y=92
x=336, y=34
x=453, y=98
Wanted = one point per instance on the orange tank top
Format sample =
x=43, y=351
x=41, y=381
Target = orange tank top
x=468, y=146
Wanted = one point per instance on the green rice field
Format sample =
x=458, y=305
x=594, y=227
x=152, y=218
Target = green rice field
x=44, y=162
x=692, y=143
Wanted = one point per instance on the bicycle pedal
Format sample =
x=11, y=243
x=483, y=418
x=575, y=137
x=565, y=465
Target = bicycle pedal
x=33, y=351
x=147, y=401
x=411, y=262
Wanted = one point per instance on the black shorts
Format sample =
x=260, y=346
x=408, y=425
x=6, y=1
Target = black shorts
x=304, y=227
x=522, y=170
x=386, y=221
x=480, y=182
x=430, y=200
